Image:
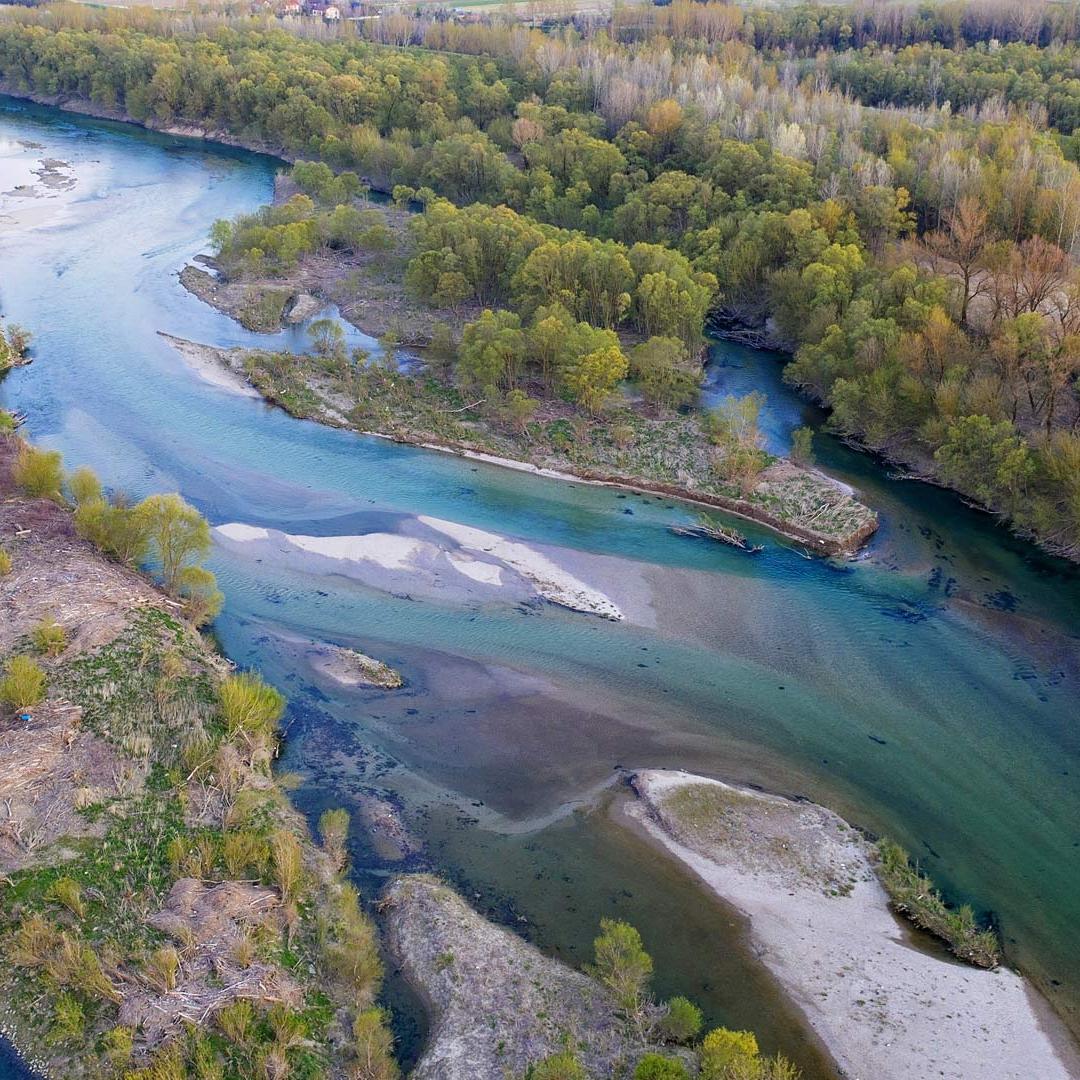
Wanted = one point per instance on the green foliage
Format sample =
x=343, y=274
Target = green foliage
x=23, y=684
x=802, y=445
x=115, y=528
x=84, y=486
x=179, y=534
x=249, y=707
x=561, y=1066
x=49, y=638
x=658, y=1067
x=913, y=894
x=334, y=833
x=622, y=964
x=69, y=1020
x=117, y=1046
x=492, y=350
x=348, y=946
x=373, y=1045
x=681, y=1021
x=39, y=473
x=5, y=562
x=722, y=1050
x=287, y=859
x=592, y=377
x=68, y=892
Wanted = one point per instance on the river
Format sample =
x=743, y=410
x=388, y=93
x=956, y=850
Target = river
x=927, y=689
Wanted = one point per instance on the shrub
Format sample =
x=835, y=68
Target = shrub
x=562, y=1066
x=163, y=967
x=245, y=853
x=198, y=589
x=658, y=1067
x=84, y=486
x=5, y=563
x=374, y=1046
x=249, y=706
x=49, y=638
x=334, y=831
x=913, y=894
x=723, y=1049
x=349, y=949
x=115, y=529
x=681, y=1021
x=39, y=473
x=68, y=892
x=73, y=963
x=236, y=1021
x=117, y=1044
x=23, y=684
x=69, y=1021
x=622, y=964
x=168, y=1064
x=802, y=445
x=288, y=864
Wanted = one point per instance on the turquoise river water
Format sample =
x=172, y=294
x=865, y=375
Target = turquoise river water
x=927, y=688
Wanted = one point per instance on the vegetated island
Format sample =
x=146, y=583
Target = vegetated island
x=539, y=388
x=818, y=897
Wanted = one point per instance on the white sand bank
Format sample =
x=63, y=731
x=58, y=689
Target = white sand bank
x=211, y=365
x=551, y=580
x=475, y=564
x=885, y=1009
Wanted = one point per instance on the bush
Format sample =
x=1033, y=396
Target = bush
x=69, y=1021
x=5, y=562
x=118, y=1044
x=802, y=445
x=23, y=685
x=68, y=892
x=622, y=964
x=349, y=949
x=115, y=529
x=49, y=638
x=249, y=707
x=288, y=862
x=658, y=1067
x=722, y=1050
x=39, y=473
x=564, y=1066
x=334, y=831
x=245, y=853
x=163, y=968
x=236, y=1021
x=374, y=1046
x=84, y=486
x=681, y=1022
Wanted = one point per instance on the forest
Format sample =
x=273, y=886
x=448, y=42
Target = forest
x=889, y=193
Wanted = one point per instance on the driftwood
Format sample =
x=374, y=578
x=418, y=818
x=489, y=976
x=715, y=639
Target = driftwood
x=709, y=529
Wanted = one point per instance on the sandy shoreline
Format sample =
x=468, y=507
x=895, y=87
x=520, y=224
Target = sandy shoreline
x=886, y=1008
x=210, y=363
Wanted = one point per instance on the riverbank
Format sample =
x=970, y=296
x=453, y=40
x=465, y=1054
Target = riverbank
x=884, y=1003
x=164, y=903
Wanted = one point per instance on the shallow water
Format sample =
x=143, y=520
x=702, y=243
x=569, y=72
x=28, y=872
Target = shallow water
x=927, y=689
